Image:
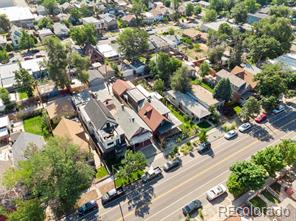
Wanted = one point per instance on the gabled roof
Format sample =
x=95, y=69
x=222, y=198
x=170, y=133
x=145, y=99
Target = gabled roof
x=151, y=116
x=244, y=75
x=234, y=80
x=98, y=113
x=120, y=87
x=74, y=131
x=60, y=107
x=22, y=141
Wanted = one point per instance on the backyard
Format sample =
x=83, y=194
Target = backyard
x=34, y=125
x=101, y=172
x=22, y=95
x=203, y=84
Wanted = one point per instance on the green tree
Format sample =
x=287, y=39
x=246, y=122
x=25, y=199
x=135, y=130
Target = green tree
x=189, y=9
x=163, y=66
x=246, y=175
x=57, y=61
x=25, y=81
x=271, y=158
x=261, y=48
x=4, y=23
x=197, y=10
x=288, y=150
x=138, y=7
x=27, y=41
x=57, y=175
x=132, y=164
x=75, y=15
x=50, y=5
x=85, y=34
x=217, y=5
x=180, y=81
x=251, y=5
x=251, y=107
x=202, y=136
x=210, y=15
x=45, y=22
x=158, y=86
x=81, y=64
x=239, y=13
x=215, y=55
x=133, y=42
x=278, y=28
x=223, y=90
x=4, y=95
x=29, y=210
x=204, y=69
x=269, y=102
x=271, y=81
x=4, y=57
x=280, y=11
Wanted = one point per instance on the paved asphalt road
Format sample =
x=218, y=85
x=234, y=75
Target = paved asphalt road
x=164, y=199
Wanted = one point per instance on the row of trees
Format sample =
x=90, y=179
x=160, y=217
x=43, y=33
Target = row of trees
x=54, y=177
x=251, y=174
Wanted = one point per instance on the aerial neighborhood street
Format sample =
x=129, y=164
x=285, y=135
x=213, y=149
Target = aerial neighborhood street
x=147, y=110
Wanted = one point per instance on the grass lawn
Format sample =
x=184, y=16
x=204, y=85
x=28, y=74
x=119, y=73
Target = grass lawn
x=22, y=95
x=258, y=202
x=178, y=114
x=203, y=84
x=101, y=172
x=270, y=197
x=34, y=125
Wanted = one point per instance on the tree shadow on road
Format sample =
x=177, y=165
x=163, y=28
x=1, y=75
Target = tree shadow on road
x=285, y=124
x=261, y=133
x=140, y=199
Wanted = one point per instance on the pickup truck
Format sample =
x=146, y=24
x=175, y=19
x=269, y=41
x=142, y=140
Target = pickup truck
x=152, y=174
x=112, y=195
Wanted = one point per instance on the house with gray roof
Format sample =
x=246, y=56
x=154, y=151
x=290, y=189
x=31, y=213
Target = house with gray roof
x=188, y=105
x=110, y=22
x=137, y=133
x=23, y=142
x=238, y=85
x=60, y=30
x=103, y=128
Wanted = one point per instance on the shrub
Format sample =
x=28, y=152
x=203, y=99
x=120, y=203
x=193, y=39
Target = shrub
x=227, y=126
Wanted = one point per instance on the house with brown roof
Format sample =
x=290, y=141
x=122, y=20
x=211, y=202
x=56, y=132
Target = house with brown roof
x=129, y=20
x=120, y=87
x=153, y=118
x=74, y=131
x=59, y=108
x=204, y=97
x=195, y=34
x=244, y=75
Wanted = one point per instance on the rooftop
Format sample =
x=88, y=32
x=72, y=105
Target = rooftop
x=16, y=13
x=234, y=80
x=204, y=95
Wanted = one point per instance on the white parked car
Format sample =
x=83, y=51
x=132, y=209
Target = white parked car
x=244, y=127
x=230, y=134
x=216, y=192
x=279, y=109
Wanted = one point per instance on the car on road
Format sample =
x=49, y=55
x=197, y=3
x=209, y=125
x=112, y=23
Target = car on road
x=261, y=117
x=216, y=192
x=112, y=195
x=244, y=127
x=87, y=208
x=204, y=147
x=191, y=207
x=230, y=134
x=152, y=174
x=279, y=109
x=172, y=164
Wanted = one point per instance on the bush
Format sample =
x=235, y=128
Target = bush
x=185, y=149
x=227, y=126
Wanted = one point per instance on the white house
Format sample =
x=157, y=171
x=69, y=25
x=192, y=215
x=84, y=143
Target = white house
x=20, y=16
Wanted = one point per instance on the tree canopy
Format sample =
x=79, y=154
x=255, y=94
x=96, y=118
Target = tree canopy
x=57, y=61
x=132, y=164
x=210, y=15
x=81, y=64
x=45, y=22
x=133, y=42
x=25, y=81
x=55, y=176
x=180, y=81
x=240, y=13
x=4, y=57
x=223, y=90
x=163, y=66
x=250, y=108
x=51, y=5
x=27, y=41
x=85, y=34
x=204, y=69
x=4, y=23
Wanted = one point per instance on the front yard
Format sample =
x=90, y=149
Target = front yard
x=34, y=125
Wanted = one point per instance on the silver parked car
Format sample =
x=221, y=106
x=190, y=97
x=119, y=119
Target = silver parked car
x=230, y=134
x=244, y=127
